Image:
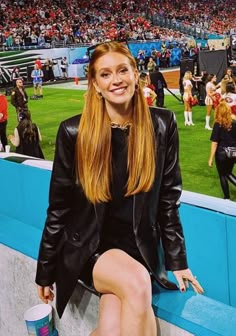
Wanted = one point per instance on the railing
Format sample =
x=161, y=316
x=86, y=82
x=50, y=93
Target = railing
x=190, y=30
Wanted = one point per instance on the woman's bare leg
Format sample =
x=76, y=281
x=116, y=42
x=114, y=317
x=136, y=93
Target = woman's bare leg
x=109, y=316
x=117, y=273
x=208, y=115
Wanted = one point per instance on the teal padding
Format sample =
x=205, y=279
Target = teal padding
x=206, y=242
x=231, y=230
x=195, y=313
x=35, y=195
x=20, y=236
x=24, y=193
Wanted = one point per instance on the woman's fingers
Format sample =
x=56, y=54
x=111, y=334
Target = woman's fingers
x=184, y=277
x=45, y=293
x=195, y=285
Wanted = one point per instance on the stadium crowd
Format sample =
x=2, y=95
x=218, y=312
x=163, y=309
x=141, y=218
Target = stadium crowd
x=216, y=16
x=47, y=23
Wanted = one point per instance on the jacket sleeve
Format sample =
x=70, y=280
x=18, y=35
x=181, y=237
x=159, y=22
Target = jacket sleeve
x=13, y=98
x=60, y=197
x=168, y=215
x=26, y=96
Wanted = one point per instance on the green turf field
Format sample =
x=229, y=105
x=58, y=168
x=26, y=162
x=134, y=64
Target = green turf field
x=59, y=104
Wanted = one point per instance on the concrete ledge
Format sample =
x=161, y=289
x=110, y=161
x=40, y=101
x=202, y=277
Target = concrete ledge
x=20, y=236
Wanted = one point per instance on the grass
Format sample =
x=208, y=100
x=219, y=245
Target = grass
x=59, y=104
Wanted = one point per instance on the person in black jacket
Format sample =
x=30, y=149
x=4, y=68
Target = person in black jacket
x=19, y=97
x=224, y=136
x=158, y=80
x=112, y=203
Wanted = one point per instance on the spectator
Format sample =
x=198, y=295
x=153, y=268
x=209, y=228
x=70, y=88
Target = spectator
x=159, y=82
x=224, y=136
x=64, y=66
x=27, y=137
x=151, y=65
x=15, y=75
x=3, y=118
x=38, y=63
x=48, y=70
x=141, y=60
x=37, y=75
x=19, y=97
x=41, y=41
x=34, y=39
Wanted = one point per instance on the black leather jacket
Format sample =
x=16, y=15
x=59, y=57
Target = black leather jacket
x=72, y=230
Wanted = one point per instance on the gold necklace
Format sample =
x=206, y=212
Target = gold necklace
x=124, y=126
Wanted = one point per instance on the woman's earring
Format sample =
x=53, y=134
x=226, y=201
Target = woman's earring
x=99, y=95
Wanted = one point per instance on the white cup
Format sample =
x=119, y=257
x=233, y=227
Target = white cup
x=39, y=320
x=7, y=148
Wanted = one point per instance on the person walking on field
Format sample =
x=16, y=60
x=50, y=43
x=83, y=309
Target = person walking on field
x=19, y=97
x=114, y=198
x=158, y=80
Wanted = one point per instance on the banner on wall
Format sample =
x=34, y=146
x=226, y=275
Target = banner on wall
x=77, y=59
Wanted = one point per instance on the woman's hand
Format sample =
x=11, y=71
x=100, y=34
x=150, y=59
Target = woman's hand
x=184, y=277
x=45, y=293
x=210, y=163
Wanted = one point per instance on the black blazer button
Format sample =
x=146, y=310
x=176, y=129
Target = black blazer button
x=76, y=237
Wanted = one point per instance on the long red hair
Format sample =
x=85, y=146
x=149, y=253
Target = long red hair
x=93, y=147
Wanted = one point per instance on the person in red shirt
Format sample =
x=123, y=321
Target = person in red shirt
x=39, y=63
x=3, y=117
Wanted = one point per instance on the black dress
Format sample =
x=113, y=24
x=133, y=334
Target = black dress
x=117, y=231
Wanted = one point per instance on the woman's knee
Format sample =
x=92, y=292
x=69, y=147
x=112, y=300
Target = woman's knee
x=138, y=290
x=118, y=273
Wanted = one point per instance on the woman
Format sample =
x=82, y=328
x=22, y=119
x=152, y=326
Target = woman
x=27, y=137
x=15, y=75
x=110, y=200
x=230, y=96
x=149, y=94
x=151, y=65
x=229, y=75
x=211, y=97
x=223, y=136
x=187, y=97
